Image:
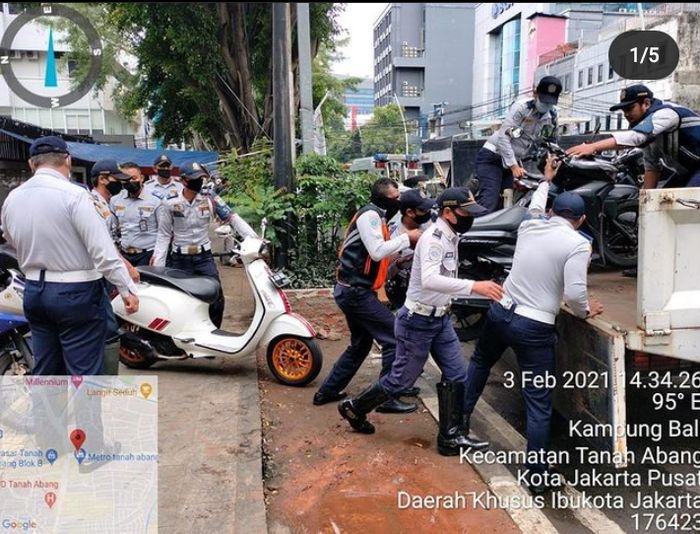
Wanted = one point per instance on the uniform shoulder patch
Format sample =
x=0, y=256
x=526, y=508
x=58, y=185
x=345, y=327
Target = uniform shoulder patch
x=437, y=233
x=435, y=252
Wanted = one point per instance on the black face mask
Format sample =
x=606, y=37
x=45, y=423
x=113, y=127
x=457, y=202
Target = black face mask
x=164, y=173
x=195, y=184
x=132, y=188
x=422, y=219
x=114, y=188
x=390, y=205
x=463, y=224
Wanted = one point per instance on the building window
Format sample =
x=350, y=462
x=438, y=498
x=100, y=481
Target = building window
x=590, y=76
x=72, y=67
x=588, y=127
x=619, y=121
x=507, y=85
x=610, y=72
x=600, y=73
x=567, y=83
x=607, y=123
x=580, y=79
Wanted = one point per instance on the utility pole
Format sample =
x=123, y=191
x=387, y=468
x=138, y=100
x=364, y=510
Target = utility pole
x=305, y=92
x=282, y=115
x=403, y=119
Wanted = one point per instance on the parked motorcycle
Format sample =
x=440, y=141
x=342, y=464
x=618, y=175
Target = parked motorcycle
x=15, y=352
x=173, y=319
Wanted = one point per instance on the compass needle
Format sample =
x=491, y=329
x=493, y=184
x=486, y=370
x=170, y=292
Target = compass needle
x=50, y=79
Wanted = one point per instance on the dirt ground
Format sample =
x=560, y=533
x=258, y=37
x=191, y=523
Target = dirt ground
x=320, y=476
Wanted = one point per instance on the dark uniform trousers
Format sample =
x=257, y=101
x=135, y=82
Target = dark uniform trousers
x=68, y=322
x=202, y=265
x=367, y=319
x=140, y=258
x=417, y=337
x=534, y=344
x=493, y=178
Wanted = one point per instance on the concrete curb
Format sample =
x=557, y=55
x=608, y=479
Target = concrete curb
x=499, y=478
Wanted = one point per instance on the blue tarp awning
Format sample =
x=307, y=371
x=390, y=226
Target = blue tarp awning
x=145, y=158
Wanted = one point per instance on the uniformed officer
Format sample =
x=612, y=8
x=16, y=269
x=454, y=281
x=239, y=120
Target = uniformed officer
x=163, y=186
x=423, y=326
x=664, y=129
x=64, y=249
x=550, y=262
x=107, y=181
x=497, y=161
x=185, y=220
x=415, y=213
x=362, y=267
x=136, y=215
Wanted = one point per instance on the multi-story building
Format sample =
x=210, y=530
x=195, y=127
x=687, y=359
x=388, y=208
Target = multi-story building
x=591, y=86
x=510, y=39
x=423, y=55
x=94, y=114
x=359, y=104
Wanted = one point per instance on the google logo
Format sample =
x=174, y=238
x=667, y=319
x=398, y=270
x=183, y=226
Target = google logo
x=18, y=524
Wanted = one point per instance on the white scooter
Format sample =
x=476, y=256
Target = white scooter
x=173, y=319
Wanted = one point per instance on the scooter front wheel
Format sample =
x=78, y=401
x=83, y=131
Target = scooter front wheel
x=294, y=361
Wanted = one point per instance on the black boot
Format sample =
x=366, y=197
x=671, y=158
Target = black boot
x=397, y=406
x=474, y=443
x=355, y=410
x=452, y=436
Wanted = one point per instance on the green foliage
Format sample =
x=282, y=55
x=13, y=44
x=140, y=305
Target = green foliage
x=325, y=199
x=384, y=133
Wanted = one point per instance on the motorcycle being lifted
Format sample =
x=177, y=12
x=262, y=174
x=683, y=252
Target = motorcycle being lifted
x=610, y=189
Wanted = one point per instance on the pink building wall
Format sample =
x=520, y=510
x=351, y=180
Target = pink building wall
x=544, y=34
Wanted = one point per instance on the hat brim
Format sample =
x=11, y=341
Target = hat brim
x=426, y=204
x=474, y=209
x=623, y=105
x=548, y=99
x=121, y=176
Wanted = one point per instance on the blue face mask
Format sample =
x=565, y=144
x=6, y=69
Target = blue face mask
x=542, y=107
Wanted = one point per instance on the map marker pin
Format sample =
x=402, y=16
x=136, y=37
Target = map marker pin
x=146, y=390
x=77, y=438
x=50, y=499
x=77, y=380
x=80, y=455
x=51, y=455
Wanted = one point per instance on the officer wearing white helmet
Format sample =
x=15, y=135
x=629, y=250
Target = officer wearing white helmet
x=64, y=250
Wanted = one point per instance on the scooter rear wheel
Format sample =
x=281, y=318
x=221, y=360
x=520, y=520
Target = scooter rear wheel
x=294, y=361
x=134, y=353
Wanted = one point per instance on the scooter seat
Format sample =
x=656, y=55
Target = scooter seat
x=204, y=288
x=507, y=220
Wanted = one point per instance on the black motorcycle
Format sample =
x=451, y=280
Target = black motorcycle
x=610, y=189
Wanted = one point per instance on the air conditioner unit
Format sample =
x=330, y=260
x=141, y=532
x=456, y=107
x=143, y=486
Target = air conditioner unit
x=32, y=55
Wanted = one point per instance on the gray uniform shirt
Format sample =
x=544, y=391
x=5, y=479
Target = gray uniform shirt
x=107, y=216
x=187, y=223
x=434, y=273
x=521, y=115
x=56, y=226
x=137, y=219
x=162, y=192
x=550, y=262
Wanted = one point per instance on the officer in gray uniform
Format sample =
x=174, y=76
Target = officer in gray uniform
x=107, y=181
x=136, y=214
x=497, y=161
x=423, y=326
x=64, y=249
x=163, y=186
x=550, y=262
x=185, y=220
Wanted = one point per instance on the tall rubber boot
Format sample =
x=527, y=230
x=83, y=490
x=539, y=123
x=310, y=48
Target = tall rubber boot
x=111, y=361
x=451, y=437
x=355, y=410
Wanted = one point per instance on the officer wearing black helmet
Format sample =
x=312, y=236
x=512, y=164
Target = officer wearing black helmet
x=163, y=186
x=184, y=220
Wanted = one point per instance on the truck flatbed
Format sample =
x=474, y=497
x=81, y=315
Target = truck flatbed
x=618, y=294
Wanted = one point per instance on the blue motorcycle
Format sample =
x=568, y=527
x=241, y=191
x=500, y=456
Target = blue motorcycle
x=16, y=356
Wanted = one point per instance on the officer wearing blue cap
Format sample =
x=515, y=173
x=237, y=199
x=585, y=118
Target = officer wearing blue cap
x=497, y=161
x=64, y=250
x=163, y=185
x=550, y=262
x=664, y=129
x=184, y=221
x=423, y=327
